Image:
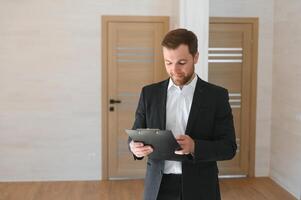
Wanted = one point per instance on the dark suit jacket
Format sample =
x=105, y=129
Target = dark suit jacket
x=210, y=124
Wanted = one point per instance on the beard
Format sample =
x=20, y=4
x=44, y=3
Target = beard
x=181, y=79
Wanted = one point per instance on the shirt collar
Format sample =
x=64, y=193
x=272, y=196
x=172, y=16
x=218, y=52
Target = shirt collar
x=191, y=84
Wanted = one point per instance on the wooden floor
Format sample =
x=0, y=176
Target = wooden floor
x=232, y=189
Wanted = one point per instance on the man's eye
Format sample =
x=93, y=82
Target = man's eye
x=182, y=63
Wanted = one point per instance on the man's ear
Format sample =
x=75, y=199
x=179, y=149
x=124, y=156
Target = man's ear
x=196, y=58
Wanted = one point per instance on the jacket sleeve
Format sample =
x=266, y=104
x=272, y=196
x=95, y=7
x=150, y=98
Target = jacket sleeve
x=223, y=145
x=140, y=119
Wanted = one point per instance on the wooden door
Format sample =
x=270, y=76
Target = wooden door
x=232, y=64
x=132, y=58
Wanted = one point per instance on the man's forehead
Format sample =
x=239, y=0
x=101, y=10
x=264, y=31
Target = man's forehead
x=176, y=54
x=176, y=59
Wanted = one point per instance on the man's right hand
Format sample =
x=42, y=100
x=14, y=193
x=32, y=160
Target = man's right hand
x=139, y=149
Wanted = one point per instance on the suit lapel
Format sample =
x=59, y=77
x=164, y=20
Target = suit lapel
x=198, y=100
x=162, y=98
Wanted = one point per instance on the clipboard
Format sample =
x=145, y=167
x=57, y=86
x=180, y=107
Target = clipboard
x=162, y=141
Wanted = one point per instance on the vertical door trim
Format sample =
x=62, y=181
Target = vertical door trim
x=105, y=20
x=253, y=98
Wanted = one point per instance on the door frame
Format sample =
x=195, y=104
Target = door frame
x=252, y=136
x=105, y=20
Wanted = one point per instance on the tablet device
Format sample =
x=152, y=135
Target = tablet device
x=162, y=141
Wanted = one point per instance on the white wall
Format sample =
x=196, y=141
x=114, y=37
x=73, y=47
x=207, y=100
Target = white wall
x=194, y=15
x=286, y=112
x=263, y=10
x=50, y=83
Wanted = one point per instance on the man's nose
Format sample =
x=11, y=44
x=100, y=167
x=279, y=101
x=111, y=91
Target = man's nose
x=177, y=67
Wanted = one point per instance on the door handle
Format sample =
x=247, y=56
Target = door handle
x=113, y=101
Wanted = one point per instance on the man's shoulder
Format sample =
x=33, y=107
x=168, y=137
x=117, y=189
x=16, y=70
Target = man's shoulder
x=214, y=90
x=214, y=87
x=155, y=86
x=210, y=87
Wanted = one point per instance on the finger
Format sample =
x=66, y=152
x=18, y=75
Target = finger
x=181, y=152
x=182, y=142
x=149, y=151
x=137, y=144
x=144, y=150
x=180, y=137
x=134, y=146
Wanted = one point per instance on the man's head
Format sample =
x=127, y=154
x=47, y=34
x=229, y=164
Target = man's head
x=180, y=51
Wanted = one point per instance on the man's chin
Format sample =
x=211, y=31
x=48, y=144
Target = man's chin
x=179, y=82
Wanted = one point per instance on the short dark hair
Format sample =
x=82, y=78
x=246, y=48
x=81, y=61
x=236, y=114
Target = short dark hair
x=173, y=39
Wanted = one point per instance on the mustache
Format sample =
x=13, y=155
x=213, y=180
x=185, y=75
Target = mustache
x=177, y=74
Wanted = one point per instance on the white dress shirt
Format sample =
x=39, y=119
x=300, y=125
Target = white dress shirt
x=177, y=111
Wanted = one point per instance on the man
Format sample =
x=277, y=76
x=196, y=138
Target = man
x=200, y=117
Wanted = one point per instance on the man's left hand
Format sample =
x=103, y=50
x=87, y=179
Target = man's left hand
x=186, y=143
